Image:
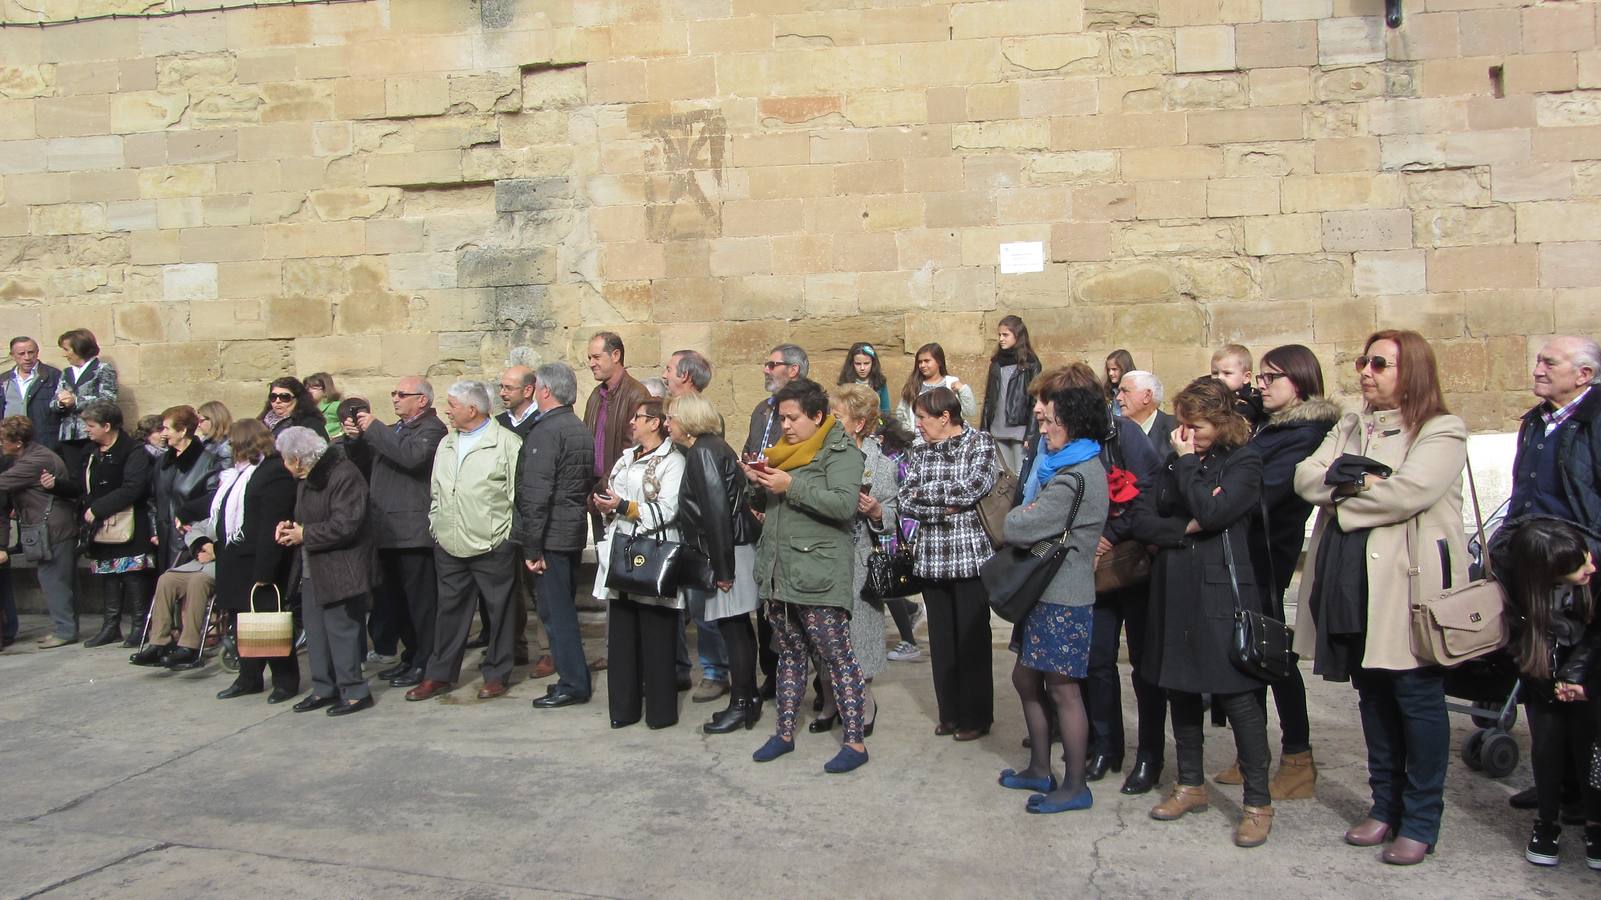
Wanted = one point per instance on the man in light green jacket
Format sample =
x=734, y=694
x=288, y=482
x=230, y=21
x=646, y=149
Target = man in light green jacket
x=471, y=502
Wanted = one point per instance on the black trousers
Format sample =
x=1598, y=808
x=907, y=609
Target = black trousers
x=1250, y=740
x=961, y=652
x=740, y=639
x=403, y=608
x=640, y=651
x=461, y=581
x=285, y=672
x=1103, y=686
x=1561, y=734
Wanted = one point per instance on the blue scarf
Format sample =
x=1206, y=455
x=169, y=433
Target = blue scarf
x=1047, y=464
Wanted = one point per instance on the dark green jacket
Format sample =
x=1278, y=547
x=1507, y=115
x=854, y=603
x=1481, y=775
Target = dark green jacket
x=805, y=554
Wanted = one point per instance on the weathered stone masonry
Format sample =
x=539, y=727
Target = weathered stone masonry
x=384, y=187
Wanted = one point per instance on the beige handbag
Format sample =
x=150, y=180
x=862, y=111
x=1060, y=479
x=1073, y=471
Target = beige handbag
x=1460, y=624
x=265, y=634
x=116, y=528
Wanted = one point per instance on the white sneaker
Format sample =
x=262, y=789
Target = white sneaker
x=374, y=658
x=905, y=651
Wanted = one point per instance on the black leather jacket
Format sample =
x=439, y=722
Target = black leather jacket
x=714, y=511
x=1018, y=408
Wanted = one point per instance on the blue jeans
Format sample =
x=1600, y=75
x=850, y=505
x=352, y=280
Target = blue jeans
x=709, y=644
x=1409, y=746
x=558, y=609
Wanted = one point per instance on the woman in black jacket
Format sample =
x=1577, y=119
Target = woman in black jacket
x=335, y=567
x=289, y=403
x=252, y=498
x=1008, y=413
x=1298, y=417
x=1206, y=495
x=114, y=488
x=715, y=519
x=185, y=481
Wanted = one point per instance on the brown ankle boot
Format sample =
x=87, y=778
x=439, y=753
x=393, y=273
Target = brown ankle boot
x=1258, y=821
x=1230, y=776
x=1296, y=778
x=1184, y=799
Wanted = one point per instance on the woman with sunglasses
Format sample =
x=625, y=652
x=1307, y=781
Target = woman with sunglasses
x=641, y=496
x=1298, y=417
x=290, y=404
x=1388, y=488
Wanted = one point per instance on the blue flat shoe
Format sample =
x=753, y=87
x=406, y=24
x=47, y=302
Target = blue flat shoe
x=1082, y=800
x=845, y=760
x=774, y=748
x=1010, y=779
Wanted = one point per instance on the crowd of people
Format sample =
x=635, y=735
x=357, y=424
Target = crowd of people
x=390, y=536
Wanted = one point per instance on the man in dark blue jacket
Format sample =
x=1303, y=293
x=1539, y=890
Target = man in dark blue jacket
x=554, y=480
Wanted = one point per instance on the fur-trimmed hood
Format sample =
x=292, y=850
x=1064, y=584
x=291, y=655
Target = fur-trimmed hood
x=1319, y=410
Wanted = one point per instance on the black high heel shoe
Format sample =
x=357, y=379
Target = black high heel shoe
x=1098, y=766
x=867, y=730
x=823, y=724
x=739, y=714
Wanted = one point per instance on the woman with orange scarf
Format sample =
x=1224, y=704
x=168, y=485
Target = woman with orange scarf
x=805, y=563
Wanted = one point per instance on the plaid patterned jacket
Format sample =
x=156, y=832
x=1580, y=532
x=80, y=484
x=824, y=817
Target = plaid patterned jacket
x=941, y=491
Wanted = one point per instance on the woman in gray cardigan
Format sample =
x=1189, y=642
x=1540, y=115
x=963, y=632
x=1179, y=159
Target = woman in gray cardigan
x=1053, y=646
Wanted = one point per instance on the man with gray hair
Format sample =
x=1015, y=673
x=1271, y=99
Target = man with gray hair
x=687, y=371
x=554, y=481
x=517, y=395
x=470, y=514
x=1140, y=394
x=401, y=458
x=785, y=363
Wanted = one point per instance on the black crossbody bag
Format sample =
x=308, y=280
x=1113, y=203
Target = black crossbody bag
x=1016, y=577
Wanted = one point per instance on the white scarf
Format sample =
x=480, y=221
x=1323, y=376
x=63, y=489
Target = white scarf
x=232, y=502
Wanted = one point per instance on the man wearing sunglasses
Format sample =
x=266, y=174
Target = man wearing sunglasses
x=402, y=457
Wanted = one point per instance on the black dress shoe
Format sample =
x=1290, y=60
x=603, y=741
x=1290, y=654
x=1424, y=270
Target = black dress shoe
x=1524, y=800
x=822, y=724
x=406, y=679
x=558, y=699
x=354, y=706
x=768, y=690
x=182, y=658
x=394, y=671
x=739, y=714
x=479, y=642
x=1142, y=778
x=684, y=683
x=618, y=723
x=1097, y=767
x=149, y=656
x=236, y=690
x=279, y=695
x=312, y=702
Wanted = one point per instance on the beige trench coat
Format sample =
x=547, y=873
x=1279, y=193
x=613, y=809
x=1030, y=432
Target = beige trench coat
x=1426, y=484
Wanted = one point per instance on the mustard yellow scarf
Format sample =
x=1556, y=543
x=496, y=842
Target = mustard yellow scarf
x=790, y=457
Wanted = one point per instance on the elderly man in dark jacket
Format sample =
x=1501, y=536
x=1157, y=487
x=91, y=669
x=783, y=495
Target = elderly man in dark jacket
x=555, y=478
x=402, y=457
x=334, y=568
x=30, y=390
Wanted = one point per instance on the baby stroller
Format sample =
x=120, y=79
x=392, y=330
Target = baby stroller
x=1488, y=687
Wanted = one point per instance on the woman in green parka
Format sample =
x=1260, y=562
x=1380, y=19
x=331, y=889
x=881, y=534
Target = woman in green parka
x=805, y=562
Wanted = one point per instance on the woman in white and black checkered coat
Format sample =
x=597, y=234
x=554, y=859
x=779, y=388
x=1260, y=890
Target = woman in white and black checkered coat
x=952, y=469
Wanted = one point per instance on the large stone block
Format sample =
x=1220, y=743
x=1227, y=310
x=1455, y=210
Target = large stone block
x=1570, y=265
x=195, y=281
x=496, y=267
x=1389, y=272
x=1306, y=277
x=1463, y=226
x=1482, y=268
x=1576, y=220
x=1367, y=229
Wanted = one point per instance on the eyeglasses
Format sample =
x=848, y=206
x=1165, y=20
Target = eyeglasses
x=400, y=394
x=281, y=398
x=1378, y=363
x=638, y=416
x=1266, y=379
x=770, y=365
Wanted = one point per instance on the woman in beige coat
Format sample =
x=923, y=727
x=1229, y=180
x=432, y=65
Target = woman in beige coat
x=1372, y=529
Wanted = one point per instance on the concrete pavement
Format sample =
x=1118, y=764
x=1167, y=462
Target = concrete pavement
x=123, y=781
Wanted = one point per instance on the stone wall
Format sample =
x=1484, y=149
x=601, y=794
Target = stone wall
x=384, y=187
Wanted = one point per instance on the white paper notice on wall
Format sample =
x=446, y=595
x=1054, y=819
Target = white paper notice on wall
x=1022, y=256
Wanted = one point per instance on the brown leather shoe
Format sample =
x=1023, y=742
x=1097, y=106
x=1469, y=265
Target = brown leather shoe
x=598, y=664
x=944, y=729
x=1406, y=852
x=1254, y=827
x=1230, y=776
x=543, y=667
x=969, y=734
x=1184, y=799
x=1296, y=778
x=427, y=689
x=492, y=689
x=1367, y=833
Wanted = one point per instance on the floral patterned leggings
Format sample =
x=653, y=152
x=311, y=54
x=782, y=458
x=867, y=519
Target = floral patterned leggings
x=800, y=631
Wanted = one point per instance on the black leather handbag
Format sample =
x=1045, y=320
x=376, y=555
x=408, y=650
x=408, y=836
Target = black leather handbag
x=1016, y=577
x=694, y=570
x=1263, y=647
x=644, y=563
x=889, y=573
